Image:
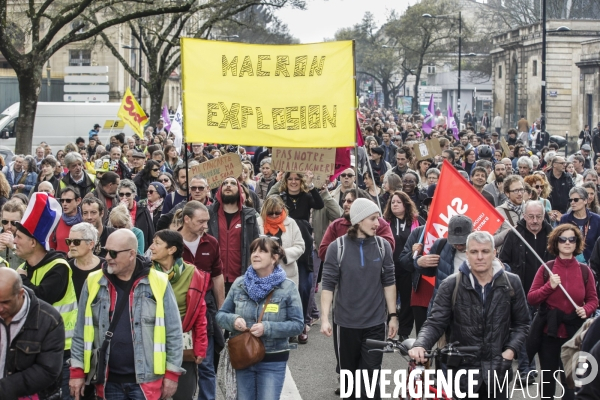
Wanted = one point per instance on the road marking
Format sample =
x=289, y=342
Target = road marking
x=290, y=391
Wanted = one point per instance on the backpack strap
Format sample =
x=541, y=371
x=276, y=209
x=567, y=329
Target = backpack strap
x=550, y=265
x=441, y=246
x=456, y=285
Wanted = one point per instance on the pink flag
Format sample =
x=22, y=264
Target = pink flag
x=359, y=138
x=452, y=122
x=429, y=121
x=165, y=117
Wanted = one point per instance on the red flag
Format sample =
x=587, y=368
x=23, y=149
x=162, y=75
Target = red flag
x=342, y=161
x=359, y=138
x=455, y=195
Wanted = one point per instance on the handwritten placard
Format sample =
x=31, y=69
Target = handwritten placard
x=216, y=170
x=320, y=161
x=505, y=149
x=427, y=149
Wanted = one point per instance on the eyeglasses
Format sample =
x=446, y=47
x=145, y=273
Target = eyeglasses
x=347, y=175
x=275, y=238
x=575, y=200
x=275, y=214
x=517, y=190
x=564, y=239
x=76, y=242
x=6, y=222
x=539, y=186
x=198, y=188
x=155, y=169
x=115, y=253
x=125, y=194
x=165, y=180
x=68, y=201
x=349, y=201
x=150, y=191
x=230, y=183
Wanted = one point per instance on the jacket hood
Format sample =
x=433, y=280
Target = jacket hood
x=497, y=268
x=51, y=255
x=218, y=196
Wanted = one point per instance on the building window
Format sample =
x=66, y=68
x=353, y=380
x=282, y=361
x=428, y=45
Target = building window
x=431, y=69
x=500, y=71
x=534, y=67
x=80, y=58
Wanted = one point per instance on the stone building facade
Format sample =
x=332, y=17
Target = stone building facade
x=517, y=74
x=589, y=82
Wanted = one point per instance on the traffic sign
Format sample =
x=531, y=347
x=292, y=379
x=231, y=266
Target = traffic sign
x=431, y=89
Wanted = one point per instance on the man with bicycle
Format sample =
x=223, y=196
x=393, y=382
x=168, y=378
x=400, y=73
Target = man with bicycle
x=481, y=305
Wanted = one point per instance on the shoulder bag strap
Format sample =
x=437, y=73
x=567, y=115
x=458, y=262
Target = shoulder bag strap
x=265, y=307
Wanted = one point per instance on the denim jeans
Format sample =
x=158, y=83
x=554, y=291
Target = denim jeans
x=123, y=391
x=207, y=379
x=262, y=381
x=66, y=375
x=305, y=283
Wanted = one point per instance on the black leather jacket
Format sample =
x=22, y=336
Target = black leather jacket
x=34, y=360
x=501, y=323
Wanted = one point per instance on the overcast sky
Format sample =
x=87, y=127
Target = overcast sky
x=322, y=18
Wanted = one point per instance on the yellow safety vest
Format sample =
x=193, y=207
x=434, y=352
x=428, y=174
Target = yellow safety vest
x=63, y=185
x=67, y=306
x=158, y=284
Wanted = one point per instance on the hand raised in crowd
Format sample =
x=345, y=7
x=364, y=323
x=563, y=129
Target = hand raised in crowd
x=6, y=240
x=168, y=389
x=77, y=386
x=239, y=324
x=554, y=281
x=308, y=177
x=257, y=329
x=279, y=176
x=429, y=261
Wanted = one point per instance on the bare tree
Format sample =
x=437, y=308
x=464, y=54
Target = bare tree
x=45, y=27
x=159, y=36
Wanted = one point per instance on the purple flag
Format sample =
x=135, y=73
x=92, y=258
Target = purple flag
x=429, y=121
x=452, y=122
x=165, y=117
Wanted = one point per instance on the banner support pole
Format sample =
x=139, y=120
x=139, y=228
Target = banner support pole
x=373, y=177
x=543, y=263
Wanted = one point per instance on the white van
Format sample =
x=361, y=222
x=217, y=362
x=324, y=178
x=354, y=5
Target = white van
x=60, y=123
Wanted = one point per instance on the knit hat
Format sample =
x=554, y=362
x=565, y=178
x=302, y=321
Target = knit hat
x=361, y=209
x=40, y=218
x=160, y=188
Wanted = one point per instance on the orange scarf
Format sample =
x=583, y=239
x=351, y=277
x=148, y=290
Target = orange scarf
x=273, y=225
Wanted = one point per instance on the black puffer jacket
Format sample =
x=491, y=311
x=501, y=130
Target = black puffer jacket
x=503, y=323
x=34, y=360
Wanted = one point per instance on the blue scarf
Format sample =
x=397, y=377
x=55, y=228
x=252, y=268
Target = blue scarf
x=258, y=288
x=75, y=219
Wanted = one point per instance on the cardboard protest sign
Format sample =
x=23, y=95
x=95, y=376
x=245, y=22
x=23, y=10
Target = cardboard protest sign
x=320, y=161
x=269, y=95
x=217, y=169
x=428, y=149
x=505, y=148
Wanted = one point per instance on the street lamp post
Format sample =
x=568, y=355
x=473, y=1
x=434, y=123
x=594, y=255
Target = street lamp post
x=140, y=70
x=459, y=51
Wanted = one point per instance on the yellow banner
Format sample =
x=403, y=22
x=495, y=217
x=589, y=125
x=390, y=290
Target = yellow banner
x=269, y=95
x=132, y=113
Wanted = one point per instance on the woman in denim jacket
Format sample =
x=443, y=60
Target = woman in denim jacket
x=282, y=319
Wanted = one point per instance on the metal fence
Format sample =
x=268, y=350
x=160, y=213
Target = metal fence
x=9, y=91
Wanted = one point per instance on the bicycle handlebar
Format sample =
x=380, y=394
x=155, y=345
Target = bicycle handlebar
x=466, y=349
x=377, y=343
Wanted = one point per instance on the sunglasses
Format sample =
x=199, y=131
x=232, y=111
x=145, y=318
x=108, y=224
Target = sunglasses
x=115, y=253
x=275, y=214
x=347, y=175
x=165, y=180
x=575, y=200
x=155, y=169
x=76, y=242
x=125, y=194
x=564, y=239
x=274, y=238
x=198, y=188
x=539, y=186
x=150, y=191
x=68, y=201
x=6, y=222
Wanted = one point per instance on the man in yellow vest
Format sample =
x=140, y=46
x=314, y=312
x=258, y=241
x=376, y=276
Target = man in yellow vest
x=147, y=367
x=46, y=271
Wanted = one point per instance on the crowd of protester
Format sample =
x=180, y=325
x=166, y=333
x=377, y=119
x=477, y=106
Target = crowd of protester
x=116, y=237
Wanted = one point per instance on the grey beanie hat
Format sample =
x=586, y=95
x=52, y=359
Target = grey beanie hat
x=361, y=209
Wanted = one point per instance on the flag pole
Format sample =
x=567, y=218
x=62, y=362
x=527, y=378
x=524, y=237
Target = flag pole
x=543, y=263
x=373, y=176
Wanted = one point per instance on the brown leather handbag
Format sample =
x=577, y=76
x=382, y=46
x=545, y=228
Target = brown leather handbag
x=245, y=349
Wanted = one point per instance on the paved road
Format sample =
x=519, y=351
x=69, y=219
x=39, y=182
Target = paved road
x=312, y=370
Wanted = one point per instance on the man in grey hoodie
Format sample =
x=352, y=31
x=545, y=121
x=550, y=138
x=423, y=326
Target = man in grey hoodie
x=360, y=267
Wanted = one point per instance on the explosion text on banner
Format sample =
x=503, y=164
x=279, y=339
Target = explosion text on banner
x=269, y=95
x=320, y=161
x=216, y=170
